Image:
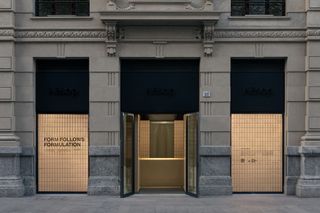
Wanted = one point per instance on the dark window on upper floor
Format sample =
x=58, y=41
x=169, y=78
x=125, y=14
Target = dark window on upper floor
x=62, y=7
x=258, y=7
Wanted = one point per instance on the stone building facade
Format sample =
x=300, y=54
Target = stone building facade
x=113, y=31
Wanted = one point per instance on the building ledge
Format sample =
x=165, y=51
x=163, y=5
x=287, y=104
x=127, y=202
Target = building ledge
x=145, y=12
x=55, y=18
x=159, y=17
x=259, y=17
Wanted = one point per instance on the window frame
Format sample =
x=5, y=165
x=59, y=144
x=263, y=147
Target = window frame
x=53, y=12
x=247, y=12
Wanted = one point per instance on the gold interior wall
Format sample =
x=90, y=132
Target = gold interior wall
x=257, y=152
x=62, y=153
x=161, y=172
x=144, y=139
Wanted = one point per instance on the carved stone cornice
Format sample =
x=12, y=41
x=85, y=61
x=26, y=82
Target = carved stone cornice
x=7, y=32
x=259, y=34
x=313, y=34
x=60, y=34
x=110, y=34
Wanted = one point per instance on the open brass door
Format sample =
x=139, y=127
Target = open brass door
x=127, y=155
x=191, y=133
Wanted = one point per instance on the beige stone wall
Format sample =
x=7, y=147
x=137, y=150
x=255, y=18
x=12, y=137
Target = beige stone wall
x=85, y=37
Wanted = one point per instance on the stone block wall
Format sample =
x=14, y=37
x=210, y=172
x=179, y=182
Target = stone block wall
x=24, y=38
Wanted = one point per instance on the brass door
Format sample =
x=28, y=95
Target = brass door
x=127, y=154
x=191, y=154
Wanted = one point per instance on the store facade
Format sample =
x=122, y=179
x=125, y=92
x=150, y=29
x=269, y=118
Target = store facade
x=122, y=97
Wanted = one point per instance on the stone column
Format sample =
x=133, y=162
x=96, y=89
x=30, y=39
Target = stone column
x=10, y=179
x=309, y=182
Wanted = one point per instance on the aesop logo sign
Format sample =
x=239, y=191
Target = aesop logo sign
x=69, y=92
x=160, y=92
x=254, y=91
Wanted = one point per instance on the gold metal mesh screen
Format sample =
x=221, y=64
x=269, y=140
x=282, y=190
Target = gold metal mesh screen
x=257, y=152
x=144, y=139
x=63, y=153
x=178, y=139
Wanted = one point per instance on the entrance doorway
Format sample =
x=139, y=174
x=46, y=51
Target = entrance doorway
x=159, y=153
x=159, y=133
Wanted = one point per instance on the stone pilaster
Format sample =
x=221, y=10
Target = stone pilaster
x=104, y=128
x=11, y=184
x=215, y=149
x=309, y=181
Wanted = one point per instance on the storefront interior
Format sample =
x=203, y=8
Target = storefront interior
x=163, y=148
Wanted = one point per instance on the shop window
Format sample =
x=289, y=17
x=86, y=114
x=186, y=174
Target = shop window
x=62, y=106
x=63, y=153
x=257, y=109
x=62, y=7
x=257, y=152
x=258, y=7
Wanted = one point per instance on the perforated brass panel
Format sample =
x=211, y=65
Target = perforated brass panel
x=178, y=139
x=63, y=153
x=144, y=139
x=257, y=152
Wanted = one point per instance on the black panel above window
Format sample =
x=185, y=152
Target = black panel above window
x=160, y=86
x=62, y=7
x=258, y=7
x=257, y=86
x=62, y=86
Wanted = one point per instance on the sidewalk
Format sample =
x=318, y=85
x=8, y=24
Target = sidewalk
x=149, y=203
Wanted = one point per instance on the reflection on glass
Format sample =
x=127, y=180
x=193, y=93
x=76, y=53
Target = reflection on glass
x=192, y=123
x=128, y=158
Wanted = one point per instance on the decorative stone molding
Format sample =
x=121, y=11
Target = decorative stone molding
x=160, y=48
x=6, y=32
x=259, y=34
x=111, y=38
x=313, y=33
x=60, y=34
x=208, y=35
x=163, y=5
x=258, y=50
x=111, y=5
x=207, y=6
